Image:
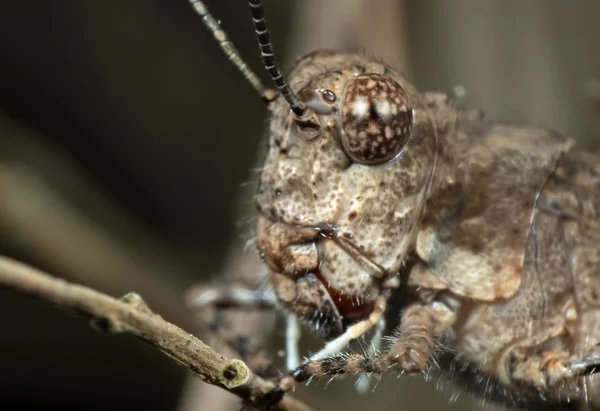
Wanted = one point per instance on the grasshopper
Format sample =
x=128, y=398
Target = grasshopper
x=485, y=236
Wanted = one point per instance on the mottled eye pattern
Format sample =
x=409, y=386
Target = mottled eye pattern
x=376, y=118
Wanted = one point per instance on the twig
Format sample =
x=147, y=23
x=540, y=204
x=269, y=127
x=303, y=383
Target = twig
x=130, y=315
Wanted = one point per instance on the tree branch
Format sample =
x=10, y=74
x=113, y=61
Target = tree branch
x=130, y=315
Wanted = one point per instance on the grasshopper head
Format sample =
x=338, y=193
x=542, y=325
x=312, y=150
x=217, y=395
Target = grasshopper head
x=341, y=199
x=352, y=149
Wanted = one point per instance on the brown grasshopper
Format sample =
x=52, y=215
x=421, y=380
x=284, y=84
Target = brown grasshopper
x=486, y=235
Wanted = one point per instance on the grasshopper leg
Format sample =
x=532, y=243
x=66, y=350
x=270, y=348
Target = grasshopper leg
x=201, y=297
x=221, y=299
x=552, y=368
x=410, y=352
x=253, y=354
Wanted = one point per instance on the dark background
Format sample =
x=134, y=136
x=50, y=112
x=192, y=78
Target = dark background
x=125, y=138
x=125, y=135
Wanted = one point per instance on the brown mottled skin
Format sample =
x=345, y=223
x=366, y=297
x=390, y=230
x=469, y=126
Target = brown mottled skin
x=501, y=225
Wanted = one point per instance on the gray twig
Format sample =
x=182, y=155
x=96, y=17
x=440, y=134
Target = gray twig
x=130, y=315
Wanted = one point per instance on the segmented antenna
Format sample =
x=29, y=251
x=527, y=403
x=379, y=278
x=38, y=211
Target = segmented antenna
x=229, y=49
x=268, y=57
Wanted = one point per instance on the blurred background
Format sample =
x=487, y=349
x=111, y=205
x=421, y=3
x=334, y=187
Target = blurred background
x=127, y=143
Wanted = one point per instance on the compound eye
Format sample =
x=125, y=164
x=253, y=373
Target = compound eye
x=376, y=118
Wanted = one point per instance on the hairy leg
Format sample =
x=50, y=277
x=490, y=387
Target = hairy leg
x=550, y=369
x=353, y=332
x=364, y=384
x=410, y=351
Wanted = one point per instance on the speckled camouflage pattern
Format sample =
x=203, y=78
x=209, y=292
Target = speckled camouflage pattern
x=365, y=216
x=501, y=225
